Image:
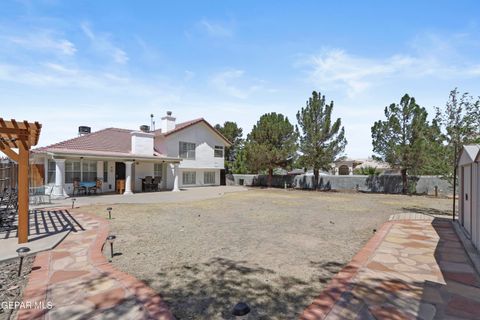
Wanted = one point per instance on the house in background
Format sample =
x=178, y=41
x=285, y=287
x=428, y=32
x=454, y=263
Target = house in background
x=181, y=155
x=346, y=167
x=469, y=193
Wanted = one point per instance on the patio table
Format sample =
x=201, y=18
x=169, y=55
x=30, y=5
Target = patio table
x=88, y=185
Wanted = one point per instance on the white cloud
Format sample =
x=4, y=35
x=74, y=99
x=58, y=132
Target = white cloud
x=215, y=29
x=44, y=40
x=430, y=57
x=229, y=82
x=102, y=43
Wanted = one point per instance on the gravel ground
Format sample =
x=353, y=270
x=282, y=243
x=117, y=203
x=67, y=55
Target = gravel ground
x=11, y=286
x=273, y=249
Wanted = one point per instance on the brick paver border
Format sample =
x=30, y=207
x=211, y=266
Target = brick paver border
x=37, y=287
x=341, y=282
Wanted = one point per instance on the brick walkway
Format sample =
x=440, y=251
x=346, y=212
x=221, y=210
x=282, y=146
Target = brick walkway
x=411, y=269
x=80, y=283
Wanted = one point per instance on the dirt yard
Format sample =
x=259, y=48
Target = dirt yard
x=273, y=249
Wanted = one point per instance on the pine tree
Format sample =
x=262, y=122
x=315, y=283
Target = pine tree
x=233, y=133
x=271, y=144
x=321, y=141
x=400, y=139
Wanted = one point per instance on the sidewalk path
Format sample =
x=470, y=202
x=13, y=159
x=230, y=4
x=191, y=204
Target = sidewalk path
x=79, y=282
x=411, y=269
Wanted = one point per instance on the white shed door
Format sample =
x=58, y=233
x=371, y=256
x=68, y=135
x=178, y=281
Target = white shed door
x=467, y=201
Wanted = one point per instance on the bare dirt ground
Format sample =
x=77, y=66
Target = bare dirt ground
x=273, y=249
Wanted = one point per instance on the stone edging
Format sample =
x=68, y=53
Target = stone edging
x=341, y=282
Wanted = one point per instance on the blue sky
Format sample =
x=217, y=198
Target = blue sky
x=113, y=63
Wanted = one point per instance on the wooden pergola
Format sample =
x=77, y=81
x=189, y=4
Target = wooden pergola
x=22, y=136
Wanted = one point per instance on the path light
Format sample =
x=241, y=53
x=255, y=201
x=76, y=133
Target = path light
x=73, y=202
x=241, y=310
x=22, y=253
x=109, y=209
x=110, y=240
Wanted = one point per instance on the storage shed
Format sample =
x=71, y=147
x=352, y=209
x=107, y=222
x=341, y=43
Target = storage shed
x=469, y=193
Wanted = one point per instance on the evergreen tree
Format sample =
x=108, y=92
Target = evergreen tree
x=321, y=139
x=400, y=140
x=271, y=144
x=233, y=133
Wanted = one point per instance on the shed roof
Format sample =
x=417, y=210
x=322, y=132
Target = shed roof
x=469, y=154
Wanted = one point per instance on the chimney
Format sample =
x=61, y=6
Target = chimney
x=168, y=122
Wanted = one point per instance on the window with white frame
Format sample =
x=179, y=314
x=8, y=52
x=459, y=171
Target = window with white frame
x=89, y=170
x=186, y=150
x=51, y=171
x=218, y=152
x=72, y=170
x=209, y=177
x=157, y=169
x=189, y=177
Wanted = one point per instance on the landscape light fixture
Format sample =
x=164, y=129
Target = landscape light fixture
x=111, y=239
x=73, y=202
x=22, y=253
x=241, y=310
x=109, y=209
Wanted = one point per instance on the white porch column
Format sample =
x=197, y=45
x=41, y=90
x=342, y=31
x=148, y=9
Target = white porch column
x=59, y=187
x=350, y=171
x=128, y=177
x=175, y=176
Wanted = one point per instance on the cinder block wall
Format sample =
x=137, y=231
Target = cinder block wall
x=379, y=184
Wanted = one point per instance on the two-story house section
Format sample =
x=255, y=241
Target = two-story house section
x=179, y=155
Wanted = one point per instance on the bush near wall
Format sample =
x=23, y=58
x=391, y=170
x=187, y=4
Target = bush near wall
x=377, y=184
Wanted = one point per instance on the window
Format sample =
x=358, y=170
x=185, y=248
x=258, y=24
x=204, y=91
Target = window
x=51, y=171
x=72, y=170
x=209, y=177
x=189, y=177
x=218, y=153
x=186, y=150
x=89, y=170
x=157, y=169
x=105, y=171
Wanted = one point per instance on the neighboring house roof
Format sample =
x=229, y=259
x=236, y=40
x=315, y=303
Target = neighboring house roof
x=184, y=125
x=469, y=154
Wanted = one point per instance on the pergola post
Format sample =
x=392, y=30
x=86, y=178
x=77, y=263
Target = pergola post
x=21, y=136
x=23, y=219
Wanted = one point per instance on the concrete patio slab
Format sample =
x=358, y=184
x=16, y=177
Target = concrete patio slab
x=47, y=228
x=188, y=194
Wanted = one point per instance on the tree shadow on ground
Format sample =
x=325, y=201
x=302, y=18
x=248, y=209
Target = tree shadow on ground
x=209, y=290
x=428, y=211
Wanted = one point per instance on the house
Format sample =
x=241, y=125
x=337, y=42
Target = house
x=180, y=154
x=345, y=166
x=469, y=193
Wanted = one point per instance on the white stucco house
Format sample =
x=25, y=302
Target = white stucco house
x=469, y=193
x=183, y=154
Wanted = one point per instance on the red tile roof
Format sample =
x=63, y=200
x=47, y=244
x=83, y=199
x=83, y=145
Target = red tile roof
x=106, y=140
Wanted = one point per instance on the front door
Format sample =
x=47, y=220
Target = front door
x=467, y=199
x=119, y=171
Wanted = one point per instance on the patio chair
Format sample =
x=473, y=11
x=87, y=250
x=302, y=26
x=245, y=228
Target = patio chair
x=156, y=182
x=78, y=188
x=98, y=186
x=148, y=183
